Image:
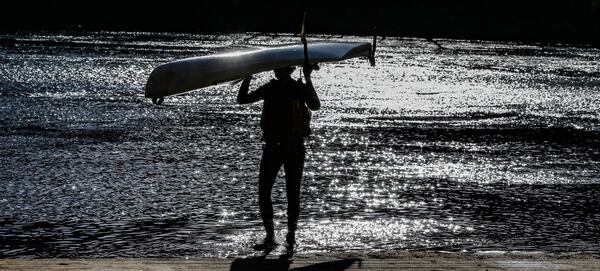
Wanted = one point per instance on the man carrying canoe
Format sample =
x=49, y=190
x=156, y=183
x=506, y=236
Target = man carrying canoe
x=285, y=123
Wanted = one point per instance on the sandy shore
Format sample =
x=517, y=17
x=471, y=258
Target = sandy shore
x=329, y=261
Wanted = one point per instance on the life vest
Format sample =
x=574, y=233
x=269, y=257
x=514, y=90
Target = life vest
x=291, y=119
x=300, y=118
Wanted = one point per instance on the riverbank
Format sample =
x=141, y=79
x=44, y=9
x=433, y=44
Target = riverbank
x=330, y=261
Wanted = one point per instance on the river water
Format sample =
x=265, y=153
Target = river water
x=446, y=145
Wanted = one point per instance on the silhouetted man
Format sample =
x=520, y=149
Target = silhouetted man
x=285, y=123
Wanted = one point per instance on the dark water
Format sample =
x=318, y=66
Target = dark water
x=448, y=145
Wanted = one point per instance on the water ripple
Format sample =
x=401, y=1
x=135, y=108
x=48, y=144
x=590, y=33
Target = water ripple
x=458, y=145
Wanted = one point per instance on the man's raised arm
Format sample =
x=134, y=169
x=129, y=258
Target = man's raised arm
x=312, y=99
x=243, y=96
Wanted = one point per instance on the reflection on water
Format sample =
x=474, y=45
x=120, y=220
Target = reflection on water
x=468, y=145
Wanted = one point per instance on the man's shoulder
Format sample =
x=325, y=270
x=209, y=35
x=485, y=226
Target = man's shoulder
x=268, y=85
x=278, y=85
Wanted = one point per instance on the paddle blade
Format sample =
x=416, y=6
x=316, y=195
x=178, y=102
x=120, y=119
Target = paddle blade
x=302, y=31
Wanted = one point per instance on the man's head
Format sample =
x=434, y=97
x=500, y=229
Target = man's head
x=284, y=73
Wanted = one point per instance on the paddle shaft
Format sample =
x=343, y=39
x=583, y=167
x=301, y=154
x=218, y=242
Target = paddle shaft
x=304, y=41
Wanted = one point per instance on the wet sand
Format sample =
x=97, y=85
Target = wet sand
x=330, y=261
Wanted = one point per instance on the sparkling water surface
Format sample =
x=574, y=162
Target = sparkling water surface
x=449, y=145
